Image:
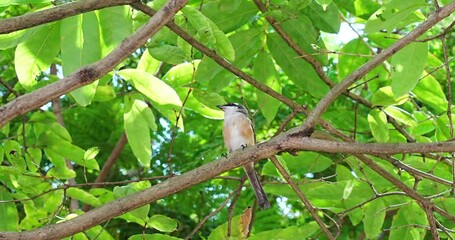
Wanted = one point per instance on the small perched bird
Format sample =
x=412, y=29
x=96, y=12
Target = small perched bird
x=238, y=132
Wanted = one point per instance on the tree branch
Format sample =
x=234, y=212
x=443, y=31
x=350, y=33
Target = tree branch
x=90, y=73
x=283, y=142
x=56, y=13
x=374, y=62
x=302, y=197
x=221, y=61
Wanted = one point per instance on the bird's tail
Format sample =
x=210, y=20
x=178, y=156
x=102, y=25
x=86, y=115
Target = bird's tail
x=261, y=198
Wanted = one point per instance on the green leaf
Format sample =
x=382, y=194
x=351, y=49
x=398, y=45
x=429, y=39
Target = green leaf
x=167, y=53
x=137, y=129
x=326, y=20
x=229, y=21
x=348, y=189
x=264, y=71
x=307, y=162
x=153, y=88
x=223, y=46
x=6, y=3
x=403, y=223
x=91, y=153
x=98, y=232
x=442, y=128
x=155, y=236
x=83, y=196
x=201, y=24
x=383, y=40
x=8, y=212
x=377, y=120
x=350, y=60
x=303, y=232
x=220, y=232
x=306, y=36
x=429, y=91
x=163, y=223
x=115, y=25
x=104, y=93
x=360, y=8
x=80, y=43
x=164, y=98
x=60, y=169
x=1, y=154
x=384, y=97
x=10, y=40
x=246, y=44
x=324, y=3
x=209, y=99
x=394, y=14
x=374, y=218
x=147, y=63
x=36, y=54
x=298, y=70
x=409, y=64
x=181, y=74
x=401, y=116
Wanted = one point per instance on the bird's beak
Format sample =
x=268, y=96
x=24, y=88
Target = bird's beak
x=220, y=107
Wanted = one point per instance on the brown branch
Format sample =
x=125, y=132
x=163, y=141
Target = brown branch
x=56, y=13
x=317, y=66
x=432, y=221
x=9, y=87
x=102, y=176
x=283, y=142
x=221, y=61
x=302, y=197
x=218, y=209
x=450, y=98
x=89, y=73
x=423, y=202
x=416, y=172
x=444, y=32
x=367, y=67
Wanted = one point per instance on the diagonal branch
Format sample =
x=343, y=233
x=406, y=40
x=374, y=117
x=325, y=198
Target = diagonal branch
x=90, y=73
x=302, y=197
x=318, y=67
x=221, y=61
x=56, y=13
x=284, y=142
x=374, y=62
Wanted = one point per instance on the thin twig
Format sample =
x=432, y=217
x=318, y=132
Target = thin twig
x=218, y=209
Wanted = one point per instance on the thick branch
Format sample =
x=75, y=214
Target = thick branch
x=296, y=142
x=90, y=73
x=56, y=13
x=283, y=142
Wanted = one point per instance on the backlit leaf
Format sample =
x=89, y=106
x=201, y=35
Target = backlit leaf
x=377, y=121
x=409, y=64
x=162, y=223
x=36, y=54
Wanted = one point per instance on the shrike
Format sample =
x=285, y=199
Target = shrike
x=238, y=132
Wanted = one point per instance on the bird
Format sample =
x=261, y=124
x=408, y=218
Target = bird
x=238, y=132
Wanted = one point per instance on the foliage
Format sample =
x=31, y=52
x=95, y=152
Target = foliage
x=164, y=97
